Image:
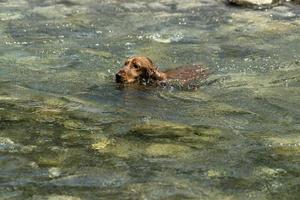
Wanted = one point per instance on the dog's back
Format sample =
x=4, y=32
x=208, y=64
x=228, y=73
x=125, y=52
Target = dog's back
x=187, y=74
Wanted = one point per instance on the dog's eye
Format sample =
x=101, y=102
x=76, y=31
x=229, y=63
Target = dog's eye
x=136, y=66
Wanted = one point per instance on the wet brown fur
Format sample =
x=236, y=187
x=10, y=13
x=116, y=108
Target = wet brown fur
x=140, y=69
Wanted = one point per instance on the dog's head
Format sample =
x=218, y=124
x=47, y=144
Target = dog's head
x=138, y=69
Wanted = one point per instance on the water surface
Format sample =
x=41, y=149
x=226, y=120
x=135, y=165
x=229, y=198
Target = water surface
x=67, y=131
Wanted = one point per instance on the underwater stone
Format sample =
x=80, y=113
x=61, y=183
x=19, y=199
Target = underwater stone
x=165, y=131
x=222, y=108
x=6, y=195
x=252, y=2
x=162, y=129
x=253, y=22
x=54, y=172
x=33, y=165
x=58, y=11
x=132, y=148
x=173, y=150
x=102, y=179
x=54, y=197
x=185, y=6
x=102, y=143
x=14, y=4
x=10, y=116
x=56, y=102
x=286, y=140
x=283, y=11
x=215, y=173
x=7, y=145
x=52, y=159
x=171, y=130
x=72, y=124
x=268, y=172
x=48, y=115
x=159, y=6
x=286, y=146
x=10, y=16
x=28, y=149
x=7, y=98
x=120, y=148
x=134, y=6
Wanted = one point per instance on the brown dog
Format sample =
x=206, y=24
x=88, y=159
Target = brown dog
x=140, y=69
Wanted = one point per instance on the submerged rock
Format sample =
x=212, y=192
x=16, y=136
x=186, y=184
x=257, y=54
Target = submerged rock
x=102, y=179
x=102, y=143
x=7, y=145
x=120, y=148
x=177, y=132
x=267, y=172
x=54, y=197
x=134, y=148
x=52, y=159
x=288, y=146
x=72, y=124
x=252, y=22
x=12, y=4
x=254, y=3
x=48, y=115
x=134, y=6
x=52, y=11
x=159, y=139
x=6, y=194
x=162, y=129
x=213, y=173
x=60, y=11
x=283, y=12
x=10, y=16
x=167, y=150
x=54, y=172
x=158, y=6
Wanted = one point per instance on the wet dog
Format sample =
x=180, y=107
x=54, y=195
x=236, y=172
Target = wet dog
x=141, y=70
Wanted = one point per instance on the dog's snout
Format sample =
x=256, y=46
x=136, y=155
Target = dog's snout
x=119, y=78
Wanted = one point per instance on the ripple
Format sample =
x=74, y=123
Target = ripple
x=196, y=97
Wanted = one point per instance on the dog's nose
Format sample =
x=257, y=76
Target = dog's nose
x=118, y=78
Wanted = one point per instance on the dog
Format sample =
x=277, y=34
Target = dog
x=141, y=70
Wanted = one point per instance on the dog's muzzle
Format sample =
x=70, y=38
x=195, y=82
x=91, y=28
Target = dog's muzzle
x=119, y=78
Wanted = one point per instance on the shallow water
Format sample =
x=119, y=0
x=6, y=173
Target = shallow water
x=67, y=131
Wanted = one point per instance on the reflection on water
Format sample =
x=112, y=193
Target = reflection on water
x=67, y=131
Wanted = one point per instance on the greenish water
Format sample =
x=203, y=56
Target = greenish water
x=67, y=131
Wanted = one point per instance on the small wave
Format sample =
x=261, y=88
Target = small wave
x=166, y=39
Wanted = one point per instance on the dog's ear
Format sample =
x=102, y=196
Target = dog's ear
x=148, y=73
x=153, y=74
x=150, y=61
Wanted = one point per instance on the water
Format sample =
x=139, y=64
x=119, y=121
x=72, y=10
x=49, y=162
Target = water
x=67, y=131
